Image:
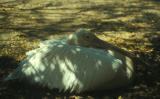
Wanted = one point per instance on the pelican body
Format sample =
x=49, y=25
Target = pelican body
x=69, y=64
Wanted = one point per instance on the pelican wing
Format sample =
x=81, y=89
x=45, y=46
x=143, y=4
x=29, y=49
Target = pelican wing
x=47, y=43
x=68, y=67
x=52, y=41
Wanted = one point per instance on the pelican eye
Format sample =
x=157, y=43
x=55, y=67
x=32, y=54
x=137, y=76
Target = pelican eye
x=87, y=36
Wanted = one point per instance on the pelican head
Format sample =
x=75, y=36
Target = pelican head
x=88, y=39
x=85, y=38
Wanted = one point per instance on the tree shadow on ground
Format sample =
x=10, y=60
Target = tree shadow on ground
x=7, y=63
x=36, y=24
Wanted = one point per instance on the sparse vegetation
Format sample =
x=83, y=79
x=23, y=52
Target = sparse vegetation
x=132, y=25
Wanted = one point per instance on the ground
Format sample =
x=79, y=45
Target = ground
x=133, y=25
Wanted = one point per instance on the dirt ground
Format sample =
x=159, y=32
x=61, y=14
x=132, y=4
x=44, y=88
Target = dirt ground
x=133, y=25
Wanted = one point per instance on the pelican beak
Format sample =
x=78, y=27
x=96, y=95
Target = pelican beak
x=100, y=44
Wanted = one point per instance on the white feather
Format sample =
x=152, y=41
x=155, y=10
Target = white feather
x=67, y=67
x=52, y=41
x=56, y=64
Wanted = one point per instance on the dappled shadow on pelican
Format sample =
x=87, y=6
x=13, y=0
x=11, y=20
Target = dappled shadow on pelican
x=75, y=64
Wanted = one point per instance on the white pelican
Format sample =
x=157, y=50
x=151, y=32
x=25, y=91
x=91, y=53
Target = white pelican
x=76, y=64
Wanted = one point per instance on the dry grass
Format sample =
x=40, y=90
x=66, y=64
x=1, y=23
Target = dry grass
x=131, y=25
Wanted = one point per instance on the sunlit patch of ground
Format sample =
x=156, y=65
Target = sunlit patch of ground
x=132, y=25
